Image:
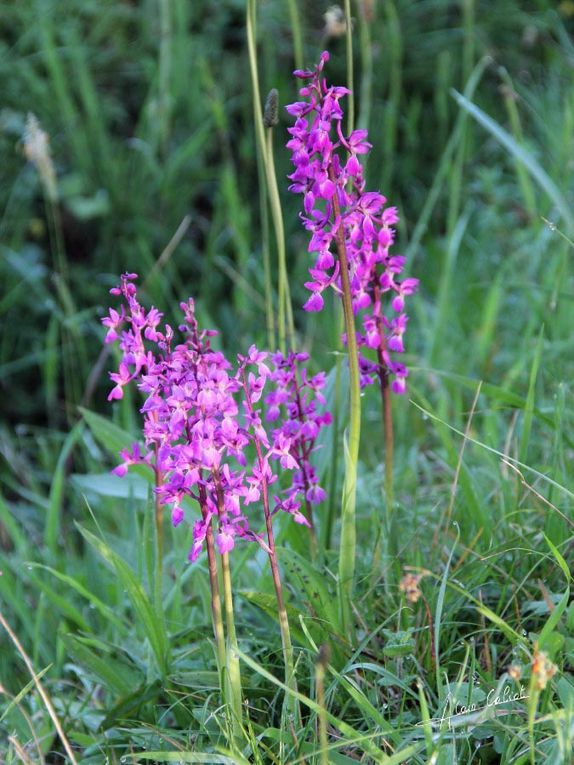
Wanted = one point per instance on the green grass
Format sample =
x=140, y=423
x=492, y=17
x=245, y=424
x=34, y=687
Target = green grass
x=150, y=117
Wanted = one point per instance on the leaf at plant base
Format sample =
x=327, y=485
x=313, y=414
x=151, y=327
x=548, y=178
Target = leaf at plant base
x=116, y=675
x=306, y=578
x=128, y=706
x=151, y=621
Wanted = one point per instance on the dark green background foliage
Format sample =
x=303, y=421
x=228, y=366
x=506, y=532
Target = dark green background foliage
x=149, y=111
x=144, y=134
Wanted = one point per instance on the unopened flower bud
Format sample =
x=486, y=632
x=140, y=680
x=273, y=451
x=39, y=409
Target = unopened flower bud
x=271, y=111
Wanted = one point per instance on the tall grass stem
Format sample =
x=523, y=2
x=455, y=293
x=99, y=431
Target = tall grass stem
x=264, y=147
x=286, y=323
x=350, y=67
x=295, y=19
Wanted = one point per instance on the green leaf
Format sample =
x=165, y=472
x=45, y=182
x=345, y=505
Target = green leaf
x=307, y=579
x=52, y=527
x=20, y=695
x=268, y=604
x=213, y=759
x=108, y=485
x=530, y=398
x=518, y=152
x=152, y=622
x=553, y=619
x=116, y=675
x=561, y=562
x=62, y=603
x=399, y=643
x=110, y=436
x=129, y=706
x=353, y=736
x=98, y=604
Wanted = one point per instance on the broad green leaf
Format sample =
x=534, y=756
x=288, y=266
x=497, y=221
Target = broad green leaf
x=151, y=622
x=108, y=485
x=62, y=603
x=110, y=436
x=116, y=675
x=98, y=604
x=306, y=578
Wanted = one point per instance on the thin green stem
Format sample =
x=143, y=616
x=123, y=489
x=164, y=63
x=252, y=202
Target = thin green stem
x=389, y=443
x=386, y=408
x=232, y=657
x=348, y=544
x=388, y=436
x=290, y=679
x=334, y=465
x=268, y=281
x=394, y=55
x=216, y=613
x=366, y=18
x=286, y=324
x=350, y=70
x=265, y=152
x=159, y=540
x=320, y=667
x=297, y=36
x=233, y=674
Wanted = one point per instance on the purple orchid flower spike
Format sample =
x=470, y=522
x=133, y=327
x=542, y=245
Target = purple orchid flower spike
x=329, y=174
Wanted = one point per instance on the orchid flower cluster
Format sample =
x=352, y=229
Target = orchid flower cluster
x=200, y=417
x=293, y=404
x=330, y=176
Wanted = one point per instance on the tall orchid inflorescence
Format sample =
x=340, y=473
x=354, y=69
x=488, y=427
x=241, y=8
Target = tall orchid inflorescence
x=201, y=416
x=330, y=176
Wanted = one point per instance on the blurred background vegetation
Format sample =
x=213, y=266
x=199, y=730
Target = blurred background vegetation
x=148, y=109
x=149, y=113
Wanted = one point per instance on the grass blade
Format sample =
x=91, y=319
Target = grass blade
x=522, y=156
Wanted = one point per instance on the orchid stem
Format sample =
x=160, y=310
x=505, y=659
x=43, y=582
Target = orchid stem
x=348, y=544
x=159, y=541
x=216, y=613
x=233, y=675
x=290, y=679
